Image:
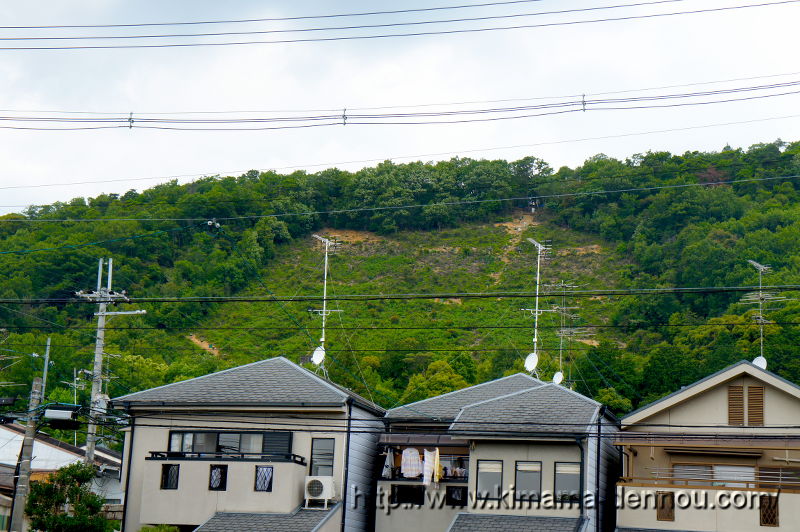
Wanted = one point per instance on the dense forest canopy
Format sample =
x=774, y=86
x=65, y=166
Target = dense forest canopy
x=655, y=220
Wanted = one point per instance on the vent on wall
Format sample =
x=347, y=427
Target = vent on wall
x=735, y=405
x=755, y=405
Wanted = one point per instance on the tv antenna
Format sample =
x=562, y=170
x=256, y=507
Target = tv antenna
x=318, y=356
x=761, y=298
x=566, y=333
x=533, y=359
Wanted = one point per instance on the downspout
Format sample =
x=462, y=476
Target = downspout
x=597, y=512
x=128, y=475
x=579, y=440
x=346, y=459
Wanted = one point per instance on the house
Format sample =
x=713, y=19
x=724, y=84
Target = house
x=264, y=446
x=722, y=454
x=50, y=454
x=514, y=454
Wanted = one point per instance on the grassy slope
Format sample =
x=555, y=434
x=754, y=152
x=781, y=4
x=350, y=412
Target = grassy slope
x=472, y=258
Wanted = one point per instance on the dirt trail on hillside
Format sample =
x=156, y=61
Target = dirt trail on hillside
x=350, y=236
x=202, y=344
x=522, y=220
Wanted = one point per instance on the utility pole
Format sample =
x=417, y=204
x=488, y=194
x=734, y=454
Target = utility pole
x=24, y=465
x=46, y=366
x=103, y=296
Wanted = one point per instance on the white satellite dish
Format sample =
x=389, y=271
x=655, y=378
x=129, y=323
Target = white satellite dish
x=318, y=355
x=531, y=361
x=760, y=362
x=558, y=378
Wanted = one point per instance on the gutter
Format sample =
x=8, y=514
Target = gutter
x=128, y=474
x=345, y=489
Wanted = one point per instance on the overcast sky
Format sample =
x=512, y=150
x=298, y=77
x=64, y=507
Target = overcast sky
x=522, y=63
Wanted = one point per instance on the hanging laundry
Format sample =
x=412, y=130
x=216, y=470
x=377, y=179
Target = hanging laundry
x=437, y=466
x=411, y=465
x=388, y=465
x=427, y=467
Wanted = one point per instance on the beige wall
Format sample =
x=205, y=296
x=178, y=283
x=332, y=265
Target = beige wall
x=193, y=502
x=711, y=408
x=511, y=452
x=711, y=520
x=414, y=519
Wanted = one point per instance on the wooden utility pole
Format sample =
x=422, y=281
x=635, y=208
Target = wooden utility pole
x=24, y=465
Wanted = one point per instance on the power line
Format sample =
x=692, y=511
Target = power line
x=443, y=116
x=408, y=34
x=274, y=19
x=339, y=28
x=416, y=156
x=509, y=294
x=410, y=206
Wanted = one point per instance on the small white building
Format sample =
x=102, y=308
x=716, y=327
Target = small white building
x=50, y=454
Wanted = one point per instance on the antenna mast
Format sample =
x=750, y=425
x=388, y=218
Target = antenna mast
x=103, y=296
x=760, y=298
x=318, y=357
x=541, y=253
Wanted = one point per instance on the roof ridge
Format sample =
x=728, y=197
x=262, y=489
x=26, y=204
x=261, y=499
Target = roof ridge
x=519, y=392
x=465, y=389
x=263, y=361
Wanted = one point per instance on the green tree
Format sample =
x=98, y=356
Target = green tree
x=64, y=502
x=439, y=378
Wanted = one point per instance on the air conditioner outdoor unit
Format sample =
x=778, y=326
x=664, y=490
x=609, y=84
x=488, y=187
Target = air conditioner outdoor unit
x=320, y=488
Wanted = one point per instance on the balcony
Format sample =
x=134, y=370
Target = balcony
x=226, y=456
x=720, y=477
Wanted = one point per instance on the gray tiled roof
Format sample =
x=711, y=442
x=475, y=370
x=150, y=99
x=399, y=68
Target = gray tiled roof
x=447, y=406
x=275, y=381
x=299, y=521
x=546, y=408
x=513, y=523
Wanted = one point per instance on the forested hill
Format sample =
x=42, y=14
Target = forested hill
x=456, y=229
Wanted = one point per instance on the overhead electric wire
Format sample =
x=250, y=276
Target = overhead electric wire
x=407, y=34
x=432, y=117
x=416, y=156
x=338, y=28
x=275, y=19
x=411, y=206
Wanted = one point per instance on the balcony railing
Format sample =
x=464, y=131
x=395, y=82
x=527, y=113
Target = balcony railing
x=770, y=480
x=227, y=455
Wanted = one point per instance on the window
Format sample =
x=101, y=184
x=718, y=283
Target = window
x=768, y=510
x=528, y=481
x=456, y=496
x=665, y=506
x=263, y=478
x=735, y=405
x=734, y=476
x=169, y=476
x=218, y=478
x=408, y=494
x=755, y=405
x=490, y=479
x=693, y=473
x=279, y=443
x=568, y=481
x=322, y=456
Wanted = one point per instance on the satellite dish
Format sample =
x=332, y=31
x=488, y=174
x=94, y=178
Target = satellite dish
x=531, y=361
x=760, y=362
x=318, y=355
x=558, y=378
